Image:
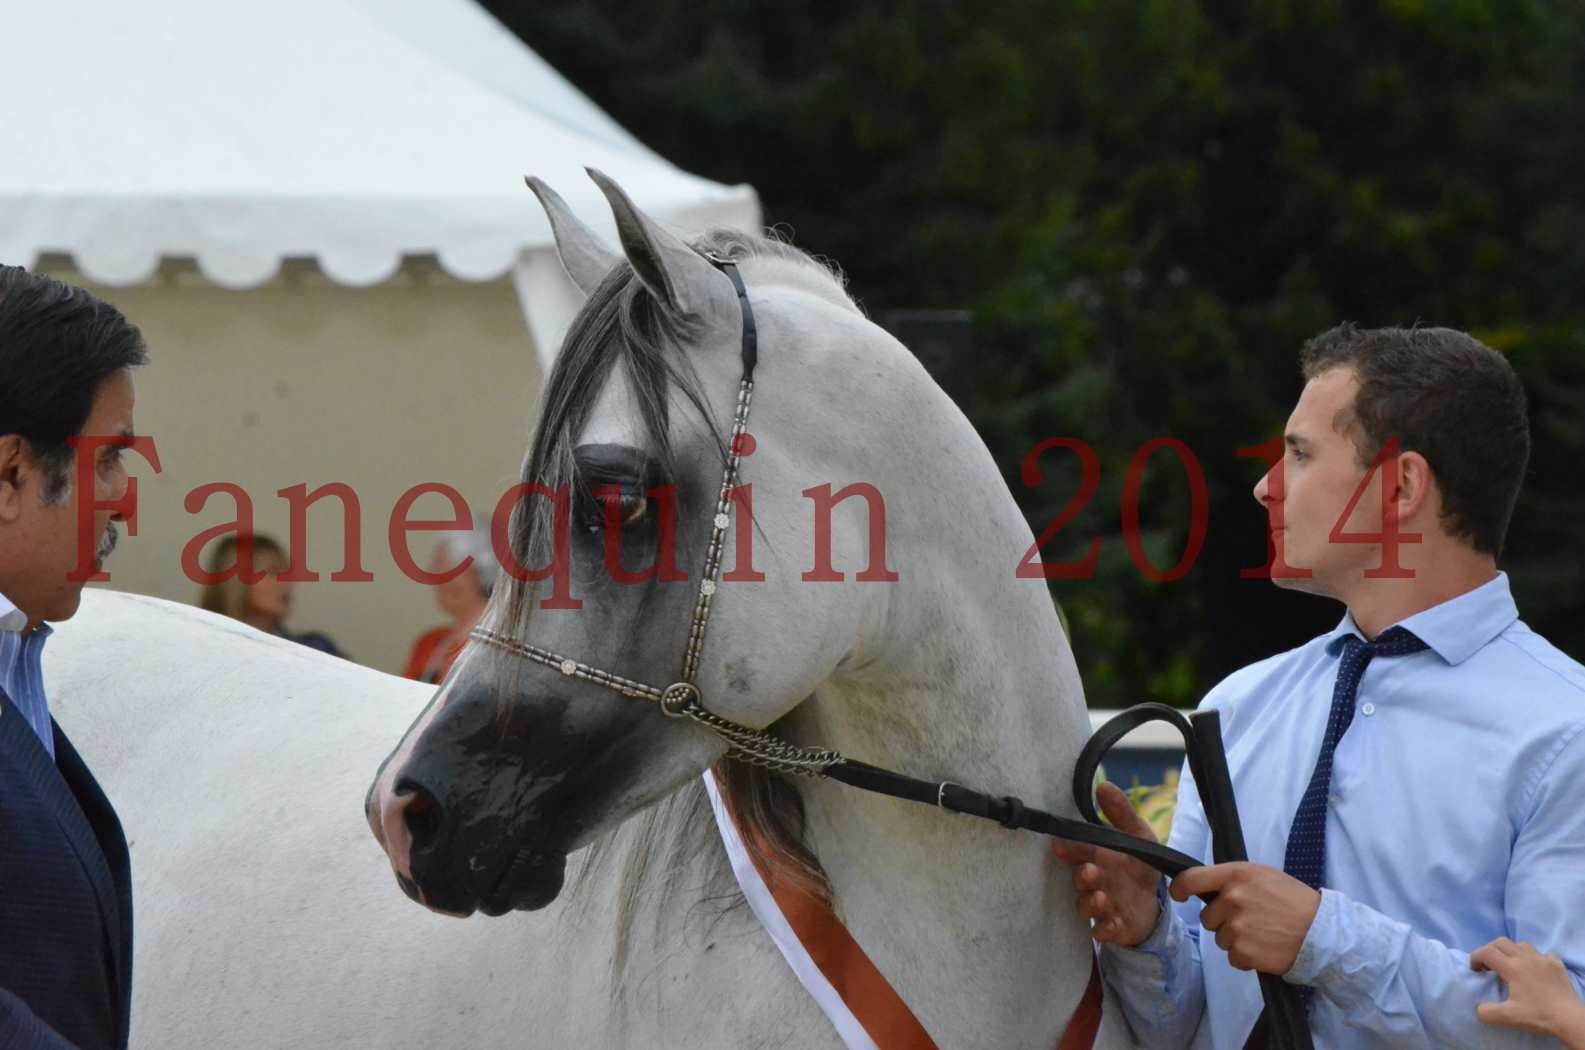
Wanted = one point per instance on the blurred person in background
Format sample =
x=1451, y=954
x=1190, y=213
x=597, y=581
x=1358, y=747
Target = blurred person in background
x=66, y=361
x=264, y=605
x=462, y=598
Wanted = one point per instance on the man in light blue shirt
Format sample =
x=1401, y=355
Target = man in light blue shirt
x=1411, y=784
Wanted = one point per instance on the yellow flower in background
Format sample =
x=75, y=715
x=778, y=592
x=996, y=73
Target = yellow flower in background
x=1155, y=802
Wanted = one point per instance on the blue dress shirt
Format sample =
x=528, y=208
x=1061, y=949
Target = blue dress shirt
x=21, y=676
x=1456, y=815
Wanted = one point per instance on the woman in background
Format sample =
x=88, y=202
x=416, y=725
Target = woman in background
x=263, y=605
x=462, y=598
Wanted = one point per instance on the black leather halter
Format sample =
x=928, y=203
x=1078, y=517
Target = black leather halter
x=1282, y=1026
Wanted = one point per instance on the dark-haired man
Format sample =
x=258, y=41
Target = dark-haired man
x=66, y=361
x=1409, y=783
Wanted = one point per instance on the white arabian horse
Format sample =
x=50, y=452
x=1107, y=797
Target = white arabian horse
x=239, y=763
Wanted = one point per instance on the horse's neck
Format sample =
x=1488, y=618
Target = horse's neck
x=977, y=686
x=968, y=678
x=952, y=910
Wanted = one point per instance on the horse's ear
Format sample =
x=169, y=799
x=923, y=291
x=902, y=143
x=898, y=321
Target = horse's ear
x=583, y=256
x=674, y=273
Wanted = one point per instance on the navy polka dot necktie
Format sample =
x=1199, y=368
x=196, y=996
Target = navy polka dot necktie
x=1306, y=855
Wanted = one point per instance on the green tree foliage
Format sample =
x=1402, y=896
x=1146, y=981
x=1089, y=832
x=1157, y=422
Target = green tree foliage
x=1148, y=206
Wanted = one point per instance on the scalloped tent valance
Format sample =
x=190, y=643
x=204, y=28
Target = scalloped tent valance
x=352, y=132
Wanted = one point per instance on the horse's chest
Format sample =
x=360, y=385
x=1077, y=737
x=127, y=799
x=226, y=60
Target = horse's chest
x=721, y=986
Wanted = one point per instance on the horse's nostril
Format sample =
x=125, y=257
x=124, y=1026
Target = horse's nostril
x=421, y=814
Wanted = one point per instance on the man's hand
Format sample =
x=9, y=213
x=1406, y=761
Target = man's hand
x=1115, y=890
x=1541, y=997
x=1260, y=915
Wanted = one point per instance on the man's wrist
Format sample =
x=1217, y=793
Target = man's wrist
x=1156, y=940
x=1570, y=1029
x=1318, y=947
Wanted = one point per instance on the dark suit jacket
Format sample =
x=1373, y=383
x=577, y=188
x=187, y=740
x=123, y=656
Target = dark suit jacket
x=65, y=899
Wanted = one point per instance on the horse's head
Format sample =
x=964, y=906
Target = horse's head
x=522, y=758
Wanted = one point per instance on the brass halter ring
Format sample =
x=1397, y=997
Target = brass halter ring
x=677, y=698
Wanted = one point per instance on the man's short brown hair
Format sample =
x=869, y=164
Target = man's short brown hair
x=1449, y=397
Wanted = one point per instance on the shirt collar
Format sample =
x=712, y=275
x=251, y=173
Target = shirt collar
x=1456, y=629
x=11, y=618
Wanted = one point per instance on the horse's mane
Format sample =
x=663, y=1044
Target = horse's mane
x=623, y=326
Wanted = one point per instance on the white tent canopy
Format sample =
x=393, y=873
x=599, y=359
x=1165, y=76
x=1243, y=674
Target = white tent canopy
x=351, y=132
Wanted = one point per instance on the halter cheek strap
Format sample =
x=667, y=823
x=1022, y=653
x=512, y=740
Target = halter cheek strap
x=750, y=330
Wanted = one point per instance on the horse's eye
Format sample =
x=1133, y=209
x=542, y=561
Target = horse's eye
x=626, y=505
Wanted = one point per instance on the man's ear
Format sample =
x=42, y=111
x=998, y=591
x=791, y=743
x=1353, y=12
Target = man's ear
x=15, y=464
x=1417, y=489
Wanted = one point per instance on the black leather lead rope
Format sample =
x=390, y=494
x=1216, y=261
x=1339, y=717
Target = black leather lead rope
x=1007, y=811
x=1283, y=1024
